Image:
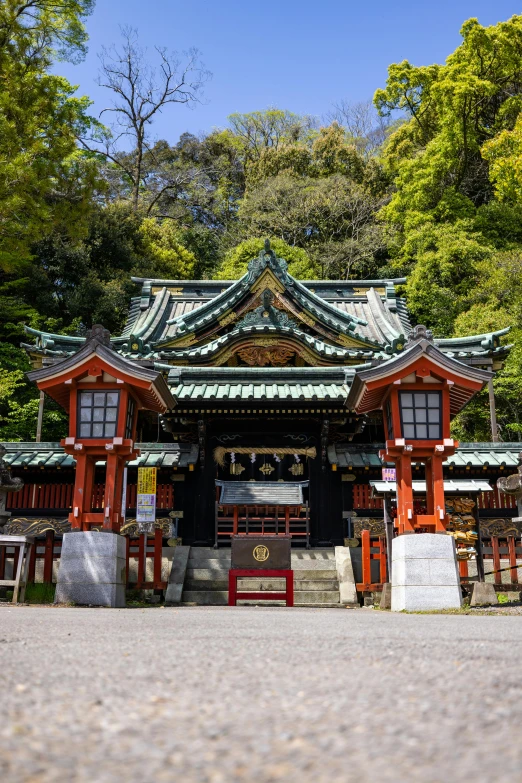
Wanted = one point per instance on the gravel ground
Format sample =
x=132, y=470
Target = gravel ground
x=257, y=694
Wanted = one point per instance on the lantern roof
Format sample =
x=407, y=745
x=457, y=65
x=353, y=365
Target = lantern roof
x=97, y=360
x=421, y=360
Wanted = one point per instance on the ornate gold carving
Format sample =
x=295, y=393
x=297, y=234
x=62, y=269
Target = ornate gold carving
x=297, y=469
x=306, y=318
x=267, y=469
x=236, y=468
x=228, y=318
x=131, y=528
x=182, y=342
x=33, y=527
x=268, y=280
x=257, y=356
x=348, y=342
x=375, y=526
x=500, y=527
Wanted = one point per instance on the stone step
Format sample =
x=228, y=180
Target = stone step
x=205, y=584
x=205, y=597
x=320, y=584
x=206, y=572
x=314, y=555
x=216, y=582
x=315, y=597
x=208, y=553
x=315, y=574
x=222, y=573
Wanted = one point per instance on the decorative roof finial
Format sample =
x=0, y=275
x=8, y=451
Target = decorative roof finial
x=419, y=333
x=267, y=246
x=99, y=334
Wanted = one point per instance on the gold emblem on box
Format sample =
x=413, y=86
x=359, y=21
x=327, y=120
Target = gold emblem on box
x=261, y=553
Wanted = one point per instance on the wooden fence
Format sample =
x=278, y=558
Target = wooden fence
x=60, y=496
x=487, y=500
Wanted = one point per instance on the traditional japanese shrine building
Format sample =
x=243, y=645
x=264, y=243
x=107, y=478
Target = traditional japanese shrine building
x=259, y=374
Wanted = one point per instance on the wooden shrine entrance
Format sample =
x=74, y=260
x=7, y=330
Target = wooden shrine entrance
x=268, y=508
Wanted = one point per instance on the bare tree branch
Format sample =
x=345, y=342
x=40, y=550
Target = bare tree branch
x=141, y=91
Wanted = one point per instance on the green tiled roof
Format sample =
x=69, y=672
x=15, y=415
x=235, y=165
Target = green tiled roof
x=472, y=455
x=267, y=383
x=52, y=455
x=333, y=311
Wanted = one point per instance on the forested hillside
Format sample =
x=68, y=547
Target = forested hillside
x=425, y=182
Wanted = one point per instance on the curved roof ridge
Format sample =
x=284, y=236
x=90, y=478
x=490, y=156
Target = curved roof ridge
x=320, y=346
x=448, y=341
x=153, y=317
x=390, y=334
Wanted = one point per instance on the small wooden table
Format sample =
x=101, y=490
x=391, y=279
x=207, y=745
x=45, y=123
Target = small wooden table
x=237, y=573
x=19, y=583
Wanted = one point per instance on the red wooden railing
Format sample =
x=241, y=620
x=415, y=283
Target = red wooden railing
x=372, y=550
x=51, y=496
x=496, y=499
x=142, y=548
x=362, y=499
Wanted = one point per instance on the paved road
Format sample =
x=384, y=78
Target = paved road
x=256, y=694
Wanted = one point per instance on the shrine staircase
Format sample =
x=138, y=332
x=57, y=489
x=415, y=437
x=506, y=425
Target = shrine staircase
x=315, y=579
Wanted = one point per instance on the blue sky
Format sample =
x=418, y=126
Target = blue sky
x=300, y=55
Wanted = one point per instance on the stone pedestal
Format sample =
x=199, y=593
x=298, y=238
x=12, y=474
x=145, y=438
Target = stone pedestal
x=386, y=596
x=425, y=574
x=343, y=564
x=484, y=594
x=92, y=570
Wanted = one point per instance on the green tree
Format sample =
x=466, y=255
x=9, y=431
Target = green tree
x=44, y=179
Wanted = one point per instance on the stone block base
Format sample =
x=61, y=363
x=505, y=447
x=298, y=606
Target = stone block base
x=344, y=567
x=92, y=570
x=386, y=596
x=484, y=594
x=425, y=574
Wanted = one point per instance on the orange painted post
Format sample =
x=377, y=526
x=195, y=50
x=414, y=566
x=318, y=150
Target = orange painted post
x=463, y=569
x=439, y=508
x=496, y=560
x=81, y=503
x=405, y=495
x=366, y=559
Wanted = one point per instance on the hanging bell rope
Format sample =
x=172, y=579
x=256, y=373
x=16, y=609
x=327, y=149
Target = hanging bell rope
x=220, y=451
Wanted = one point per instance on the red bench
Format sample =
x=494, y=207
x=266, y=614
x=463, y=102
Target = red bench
x=237, y=573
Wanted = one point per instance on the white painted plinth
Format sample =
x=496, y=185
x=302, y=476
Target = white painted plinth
x=92, y=570
x=425, y=574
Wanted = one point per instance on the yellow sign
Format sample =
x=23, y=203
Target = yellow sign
x=146, y=481
x=261, y=553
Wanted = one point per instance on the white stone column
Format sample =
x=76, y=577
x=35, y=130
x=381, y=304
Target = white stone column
x=425, y=574
x=92, y=570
